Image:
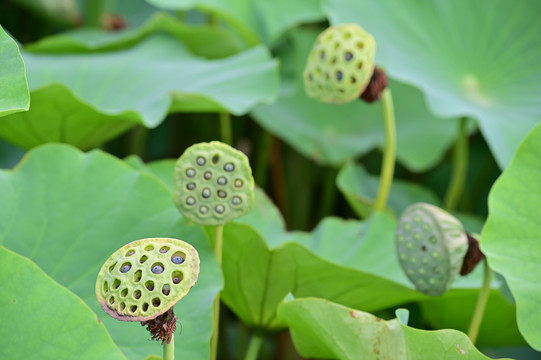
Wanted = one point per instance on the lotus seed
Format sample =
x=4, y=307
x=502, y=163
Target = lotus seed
x=222, y=194
x=149, y=285
x=157, y=268
x=238, y=183
x=322, y=55
x=219, y=209
x=215, y=159
x=413, y=261
x=417, y=236
x=236, y=200
x=190, y=186
x=433, y=239
x=176, y=277
x=435, y=254
x=133, y=308
x=203, y=209
x=229, y=167
x=164, y=249
x=137, y=294
x=338, y=75
x=156, y=302
x=424, y=260
x=190, y=172
x=205, y=193
x=417, y=219
x=200, y=161
x=145, y=307
x=407, y=227
x=130, y=253
x=409, y=245
x=166, y=289
x=432, y=281
x=190, y=200
x=222, y=180
x=125, y=268
x=422, y=271
x=349, y=56
x=207, y=175
x=177, y=258
x=403, y=256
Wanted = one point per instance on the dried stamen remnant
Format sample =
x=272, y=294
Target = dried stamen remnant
x=162, y=327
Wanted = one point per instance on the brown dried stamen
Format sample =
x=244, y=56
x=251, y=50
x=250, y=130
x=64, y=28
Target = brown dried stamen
x=472, y=257
x=378, y=82
x=162, y=327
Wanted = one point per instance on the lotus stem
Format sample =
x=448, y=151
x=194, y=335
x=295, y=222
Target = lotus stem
x=480, y=306
x=169, y=349
x=217, y=247
x=253, y=347
x=460, y=167
x=226, y=133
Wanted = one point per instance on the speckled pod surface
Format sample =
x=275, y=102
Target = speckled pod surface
x=146, y=277
x=213, y=183
x=431, y=245
x=340, y=64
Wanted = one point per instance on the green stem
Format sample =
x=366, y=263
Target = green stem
x=138, y=141
x=262, y=161
x=480, y=306
x=460, y=167
x=253, y=348
x=389, y=152
x=217, y=247
x=226, y=133
x=169, y=349
x=93, y=11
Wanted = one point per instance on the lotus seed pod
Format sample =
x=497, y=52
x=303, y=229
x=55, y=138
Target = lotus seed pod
x=431, y=245
x=213, y=183
x=145, y=278
x=340, y=64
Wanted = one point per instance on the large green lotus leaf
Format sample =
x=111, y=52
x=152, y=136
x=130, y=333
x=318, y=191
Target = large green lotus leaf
x=201, y=40
x=14, y=94
x=68, y=212
x=470, y=58
x=138, y=85
x=511, y=236
x=360, y=190
x=255, y=21
x=331, y=134
x=59, y=324
x=322, y=329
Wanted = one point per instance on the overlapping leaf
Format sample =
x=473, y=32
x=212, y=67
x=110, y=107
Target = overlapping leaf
x=14, y=94
x=470, y=58
x=68, y=211
x=511, y=236
x=332, y=134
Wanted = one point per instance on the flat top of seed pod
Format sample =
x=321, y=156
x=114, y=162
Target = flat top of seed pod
x=213, y=183
x=431, y=245
x=146, y=277
x=340, y=64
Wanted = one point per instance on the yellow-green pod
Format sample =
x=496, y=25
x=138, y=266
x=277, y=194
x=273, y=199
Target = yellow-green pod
x=340, y=64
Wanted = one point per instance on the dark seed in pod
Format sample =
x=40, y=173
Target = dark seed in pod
x=157, y=269
x=190, y=172
x=222, y=194
x=131, y=252
x=229, y=167
x=166, y=289
x=200, y=161
x=338, y=75
x=215, y=159
x=163, y=250
x=349, y=56
x=207, y=175
x=222, y=180
x=125, y=268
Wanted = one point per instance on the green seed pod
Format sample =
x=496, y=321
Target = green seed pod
x=431, y=245
x=145, y=278
x=340, y=64
x=213, y=183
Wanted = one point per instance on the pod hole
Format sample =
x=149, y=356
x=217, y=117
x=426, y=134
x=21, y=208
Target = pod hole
x=205, y=193
x=190, y=186
x=149, y=247
x=221, y=180
x=149, y=285
x=327, y=76
x=137, y=294
x=348, y=56
x=238, y=183
x=360, y=45
x=207, y=175
x=339, y=75
x=190, y=172
x=156, y=302
x=125, y=267
x=215, y=158
x=116, y=284
x=423, y=248
x=177, y=277
x=130, y=252
x=360, y=65
x=112, y=267
x=133, y=308
x=203, y=209
x=222, y=194
x=347, y=35
x=220, y=209
x=311, y=77
x=143, y=259
x=333, y=60
x=190, y=201
x=145, y=307
x=137, y=275
x=318, y=72
x=336, y=46
x=353, y=80
x=322, y=55
x=122, y=306
x=124, y=292
x=229, y=167
x=178, y=258
x=105, y=287
x=200, y=161
x=157, y=268
x=166, y=289
x=112, y=300
x=341, y=91
x=164, y=249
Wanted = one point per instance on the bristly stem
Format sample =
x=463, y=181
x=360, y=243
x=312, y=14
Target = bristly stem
x=169, y=349
x=217, y=247
x=460, y=167
x=480, y=306
x=253, y=347
x=226, y=132
x=389, y=152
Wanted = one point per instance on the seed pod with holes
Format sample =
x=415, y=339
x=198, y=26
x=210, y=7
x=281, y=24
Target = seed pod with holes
x=340, y=64
x=431, y=245
x=145, y=278
x=213, y=183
